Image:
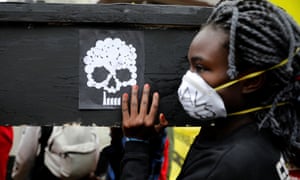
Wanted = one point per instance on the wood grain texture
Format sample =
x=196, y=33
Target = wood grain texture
x=105, y=13
x=39, y=54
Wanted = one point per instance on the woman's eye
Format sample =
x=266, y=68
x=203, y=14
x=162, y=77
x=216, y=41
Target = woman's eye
x=199, y=68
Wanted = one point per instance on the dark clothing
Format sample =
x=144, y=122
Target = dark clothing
x=153, y=160
x=246, y=153
x=111, y=156
x=39, y=170
x=135, y=163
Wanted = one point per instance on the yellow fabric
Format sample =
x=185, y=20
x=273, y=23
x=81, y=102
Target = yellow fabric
x=183, y=137
x=291, y=6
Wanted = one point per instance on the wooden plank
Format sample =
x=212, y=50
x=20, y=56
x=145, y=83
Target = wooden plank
x=105, y=13
x=39, y=72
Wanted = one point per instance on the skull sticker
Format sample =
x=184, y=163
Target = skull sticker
x=111, y=61
x=114, y=59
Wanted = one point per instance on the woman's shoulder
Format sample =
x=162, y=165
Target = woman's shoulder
x=252, y=144
x=251, y=156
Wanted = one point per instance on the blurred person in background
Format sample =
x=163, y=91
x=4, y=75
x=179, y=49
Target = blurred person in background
x=6, y=142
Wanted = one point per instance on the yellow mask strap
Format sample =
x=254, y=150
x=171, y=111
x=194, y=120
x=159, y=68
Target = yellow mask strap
x=254, y=74
x=255, y=109
x=251, y=75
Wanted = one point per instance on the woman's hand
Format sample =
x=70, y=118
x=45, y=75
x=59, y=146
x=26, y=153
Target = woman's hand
x=139, y=123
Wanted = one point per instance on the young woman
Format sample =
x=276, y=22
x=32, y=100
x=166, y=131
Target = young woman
x=244, y=83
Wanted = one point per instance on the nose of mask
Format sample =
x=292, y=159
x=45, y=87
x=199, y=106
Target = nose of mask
x=198, y=99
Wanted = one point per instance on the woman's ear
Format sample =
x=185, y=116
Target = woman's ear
x=253, y=84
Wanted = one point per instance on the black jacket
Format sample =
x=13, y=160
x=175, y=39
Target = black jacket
x=246, y=153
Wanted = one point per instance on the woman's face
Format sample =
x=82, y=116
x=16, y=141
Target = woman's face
x=208, y=57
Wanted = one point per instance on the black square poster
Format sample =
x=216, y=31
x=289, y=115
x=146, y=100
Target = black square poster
x=111, y=61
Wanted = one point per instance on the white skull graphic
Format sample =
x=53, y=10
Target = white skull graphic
x=111, y=56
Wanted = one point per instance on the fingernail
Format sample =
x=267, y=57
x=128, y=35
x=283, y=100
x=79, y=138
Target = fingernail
x=135, y=87
x=162, y=116
x=125, y=95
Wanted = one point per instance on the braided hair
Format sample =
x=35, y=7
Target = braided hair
x=262, y=35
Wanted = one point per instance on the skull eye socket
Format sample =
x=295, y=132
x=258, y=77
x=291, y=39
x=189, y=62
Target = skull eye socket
x=100, y=74
x=123, y=75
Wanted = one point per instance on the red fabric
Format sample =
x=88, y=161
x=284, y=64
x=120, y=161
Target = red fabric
x=164, y=168
x=6, y=142
x=295, y=174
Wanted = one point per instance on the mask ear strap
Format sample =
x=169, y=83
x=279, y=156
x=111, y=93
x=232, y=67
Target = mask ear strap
x=254, y=74
x=255, y=109
x=248, y=76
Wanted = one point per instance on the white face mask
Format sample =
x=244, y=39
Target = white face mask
x=200, y=100
x=203, y=102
